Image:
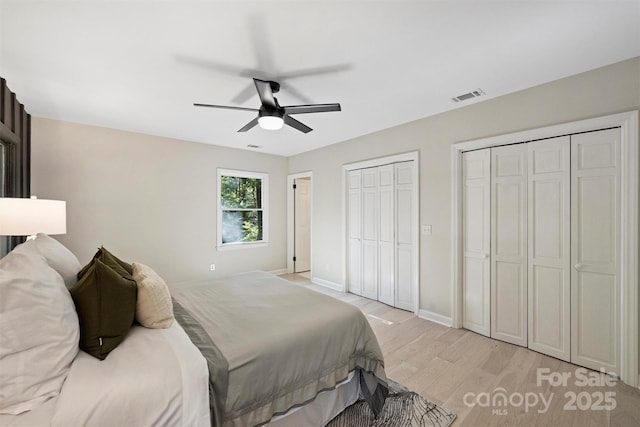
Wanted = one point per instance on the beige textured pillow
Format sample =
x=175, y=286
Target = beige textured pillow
x=153, y=308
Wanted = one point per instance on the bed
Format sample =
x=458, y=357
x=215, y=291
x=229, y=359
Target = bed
x=247, y=350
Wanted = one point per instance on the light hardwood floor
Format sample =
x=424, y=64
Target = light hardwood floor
x=459, y=370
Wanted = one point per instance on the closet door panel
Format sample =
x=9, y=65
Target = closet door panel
x=370, y=270
x=370, y=233
x=354, y=215
x=549, y=320
x=355, y=267
x=549, y=304
x=509, y=244
x=405, y=229
x=476, y=206
x=405, y=276
x=386, y=244
x=551, y=197
x=595, y=239
x=595, y=323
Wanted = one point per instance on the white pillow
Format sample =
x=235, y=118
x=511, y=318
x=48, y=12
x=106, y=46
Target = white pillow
x=154, y=308
x=39, y=332
x=57, y=256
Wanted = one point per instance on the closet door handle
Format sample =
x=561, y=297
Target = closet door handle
x=485, y=256
x=578, y=266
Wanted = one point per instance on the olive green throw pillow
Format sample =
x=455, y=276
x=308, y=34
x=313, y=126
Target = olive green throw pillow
x=106, y=306
x=109, y=259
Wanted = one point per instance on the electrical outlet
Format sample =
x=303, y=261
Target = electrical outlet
x=213, y=267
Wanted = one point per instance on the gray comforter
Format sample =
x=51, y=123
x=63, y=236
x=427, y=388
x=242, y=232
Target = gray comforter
x=272, y=345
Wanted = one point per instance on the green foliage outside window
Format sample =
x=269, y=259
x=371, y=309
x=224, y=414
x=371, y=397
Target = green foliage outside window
x=241, y=200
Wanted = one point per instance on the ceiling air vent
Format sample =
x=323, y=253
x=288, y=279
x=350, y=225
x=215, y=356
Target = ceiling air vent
x=254, y=146
x=465, y=96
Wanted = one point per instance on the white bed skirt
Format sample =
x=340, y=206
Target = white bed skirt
x=326, y=406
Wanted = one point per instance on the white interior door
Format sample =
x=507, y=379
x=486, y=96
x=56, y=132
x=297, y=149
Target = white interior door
x=370, y=233
x=302, y=225
x=509, y=244
x=354, y=214
x=476, y=207
x=549, y=247
x=595, y=225
x=386, y=242
x=406, y=235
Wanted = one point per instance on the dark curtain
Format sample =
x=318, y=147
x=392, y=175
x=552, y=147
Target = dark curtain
x=15, y=137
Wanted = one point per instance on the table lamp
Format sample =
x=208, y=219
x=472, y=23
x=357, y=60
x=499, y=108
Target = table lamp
x=30, y=216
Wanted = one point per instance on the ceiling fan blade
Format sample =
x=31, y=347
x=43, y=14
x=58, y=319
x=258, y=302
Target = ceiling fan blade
x=244, y=95
x=315, y=71
x=261, y=42
x=296, y=124
x=226, y=107
x=295, y=92
x=249, y=125
x=314, y=108
x=220, y=67
x=265, y=93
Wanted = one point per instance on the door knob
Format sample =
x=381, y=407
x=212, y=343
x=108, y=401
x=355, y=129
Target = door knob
x=578, y=266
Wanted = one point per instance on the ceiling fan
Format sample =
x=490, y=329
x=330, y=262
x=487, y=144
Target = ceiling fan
x=271, y=115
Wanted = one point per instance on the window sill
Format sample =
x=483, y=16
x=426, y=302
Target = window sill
x=236, y=246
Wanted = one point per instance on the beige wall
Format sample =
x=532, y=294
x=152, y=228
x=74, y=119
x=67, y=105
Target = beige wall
x=604, y=91
x=150, y=199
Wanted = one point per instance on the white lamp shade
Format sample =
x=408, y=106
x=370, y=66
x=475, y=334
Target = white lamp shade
x=26, y=217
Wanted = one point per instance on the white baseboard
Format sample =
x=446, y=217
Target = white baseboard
x=278, y=272
x=435, y=317
x=327, y=284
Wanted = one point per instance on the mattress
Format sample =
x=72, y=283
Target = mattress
x=155, y=377
x=282, y=345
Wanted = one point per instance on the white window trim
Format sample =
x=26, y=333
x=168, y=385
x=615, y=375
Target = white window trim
x=265, y=210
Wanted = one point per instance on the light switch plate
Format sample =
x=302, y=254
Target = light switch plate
x=426, y=230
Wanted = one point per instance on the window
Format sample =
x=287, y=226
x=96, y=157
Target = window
x=4, y=240
x=242, y=208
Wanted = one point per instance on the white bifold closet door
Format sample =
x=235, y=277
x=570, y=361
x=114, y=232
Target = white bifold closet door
x=405, y=272
x=370, y=233
x=381, y=233
x=595, y=246
x=509, y=244
x=386, y=243
x=541, y=242
x=549, y=247
x=476, y=241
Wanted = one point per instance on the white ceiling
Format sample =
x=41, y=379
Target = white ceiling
x=140, y=65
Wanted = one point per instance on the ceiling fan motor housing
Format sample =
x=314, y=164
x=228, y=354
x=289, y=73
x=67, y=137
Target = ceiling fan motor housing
x=275, y=86
x=267, y=110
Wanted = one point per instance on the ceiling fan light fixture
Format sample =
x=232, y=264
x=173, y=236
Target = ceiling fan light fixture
x=271, y=115
x=271, y=122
